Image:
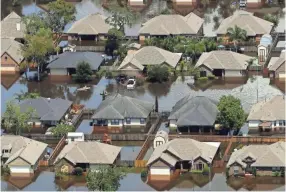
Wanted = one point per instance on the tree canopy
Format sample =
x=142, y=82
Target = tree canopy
x=16, y=121
x=62, y=129
x=83, y=72
x=236, y=34
x=157, y=73
x=231, y=114
x=26, y=95
x=104, y=179
x=113, y=41
x=34, y=23
x=272, y=18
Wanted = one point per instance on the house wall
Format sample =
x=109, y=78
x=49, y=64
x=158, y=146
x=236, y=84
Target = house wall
x=20, y=167
x=160, y=168
x=203, y=68
x=58, y=72
x=253, y=3
x=253, y=123
x=264, y=171
x=231, y=169
x=8, y=64
x=280, y=72
x=63, y=164
x=234, y=73
x=262, y=53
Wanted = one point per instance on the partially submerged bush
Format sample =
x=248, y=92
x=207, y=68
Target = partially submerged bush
x=78, y=171
x=202, y=79
x=144, y=173
x=211, y=76
x=139, y=81
x=5, y=171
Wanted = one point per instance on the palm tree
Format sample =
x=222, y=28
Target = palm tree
x=236, y=34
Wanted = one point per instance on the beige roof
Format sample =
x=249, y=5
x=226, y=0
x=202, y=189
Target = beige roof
x=92, y=152
x=269, y=110
x=247, y=21
x=92, y=24
x=162, y=134
x=9, y=26
x=25, y=148
x=12, y=48
x=264, y=155
x=149, y=55
x=221, y=59
x=183, y=149
x=277, y=62
x=172, y=25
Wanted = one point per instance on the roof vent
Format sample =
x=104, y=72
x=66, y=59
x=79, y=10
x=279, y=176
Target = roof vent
x=18, y=26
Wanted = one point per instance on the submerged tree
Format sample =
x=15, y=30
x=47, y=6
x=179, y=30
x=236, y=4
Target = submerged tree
x=15, y=121
x=236, y=34
x=26, y=95
x=158, y=73
x=113, y=41
x=34, y=23
x=62, y=129
x=83, y=72
x=272, y=18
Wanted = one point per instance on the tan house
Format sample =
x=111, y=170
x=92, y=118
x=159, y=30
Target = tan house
x=137, y=61
x=255, y=27
x=172, y=25
x=181, y=154
x=268, y=115
x=276, y=67
x=87, y=155
x=11, y=56
x=222, y=63
x=259, y=160
x=13, y=27
x=22, y=155
x=91, y=27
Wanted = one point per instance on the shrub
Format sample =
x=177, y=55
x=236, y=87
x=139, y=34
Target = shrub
x=109, y=75
x=282, y=173
x=158, y=73
x=139, y=81
x=5, y=171
x=254, y=171
x=206, y=169
x=78, y=171
x=83, y=72
x=227, y=172
x=202, y=79
x=144, y=173
x=211, y=76
x=276, y=174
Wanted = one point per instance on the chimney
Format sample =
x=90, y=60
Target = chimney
x=18, y=26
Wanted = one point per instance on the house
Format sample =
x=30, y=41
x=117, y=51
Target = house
x=254, y=3
x=181, y=154
x=268, y=115
x=91, y=27
x=259, y=160
x=87, y=155
x=66, y=63
x=255, y=27
x=276, y=67
x=223, y=64
x=192, y=3
x=264, y=48
x=74, y=136
x=194, y=114
x=137, y=61
x=11, y=56
x=118, y=111
x=47, y=111
x=172, y=25
x=21, y=155
x=161, y=138
x=13, y=27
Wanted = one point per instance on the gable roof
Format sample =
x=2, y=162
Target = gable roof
x=150, y=55
x=247, y=21
x=25, y=148
x=9, y=26
x=221, y=59
x=92, y=24
x=277, y=62
x=12, y=48
x=264, y=155
x=71, y=60
x=196, y=111
x=183, y=149
x=119, y=107
x=47, y=109
x=92, y=152
x=172, y=25
x=269, y=110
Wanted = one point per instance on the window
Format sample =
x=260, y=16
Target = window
x=200, y=166
x=274, y=123
x=262, y=55
x=235, y=169
x=142, y=121
x=203, y=73
x=5, y=58
x=115, y=122
x=280, y=123
x=159, y=143
x=283, y=123
x=128, y=121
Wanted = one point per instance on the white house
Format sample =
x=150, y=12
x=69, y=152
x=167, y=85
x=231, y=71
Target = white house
x=263, y=47
x=119, y=110
x=161, y=138
x=75, y=136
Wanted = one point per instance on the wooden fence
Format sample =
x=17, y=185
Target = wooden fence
x=140, y=163
x=57, y=150
x=43, y=163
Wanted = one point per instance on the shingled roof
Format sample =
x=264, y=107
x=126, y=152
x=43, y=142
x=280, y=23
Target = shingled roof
x=150, y=55
x=25, y=148
x=172, y=25
x=92, y=24
x=194, y=111
x=121, y=107
x=9, y=28
x=247, y=21
x=221, y=59
x=92, y=152
x=264, y=155
x=47, y=109
x=277, y=62
x=183, y=150
x=269, y=110
x=12, y=48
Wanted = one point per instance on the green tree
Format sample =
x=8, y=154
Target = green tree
x=157, y=73
x=15, y=121
x=113, y=41
x=34, y=23
x=83, y=72
x=104, y=179
x=272, y=18
x=183, y=65
x=236, y=34
x=59, y=14
x=37, y=47
x=62, y=129
x=26, y=95
x=231, y=114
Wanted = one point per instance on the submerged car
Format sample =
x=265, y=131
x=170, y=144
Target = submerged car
x=131, y=83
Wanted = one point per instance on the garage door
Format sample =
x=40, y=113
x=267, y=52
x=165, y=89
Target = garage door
x=20, y=169
x=160, y=171
x=58, y=72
